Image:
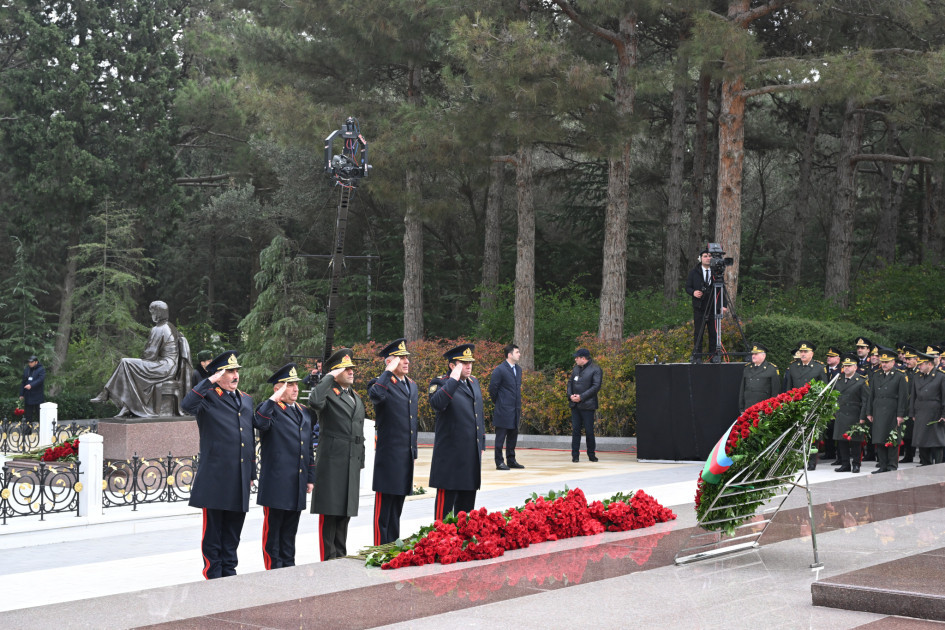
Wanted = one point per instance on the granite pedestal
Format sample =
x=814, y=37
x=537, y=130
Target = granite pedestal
x=149, y=437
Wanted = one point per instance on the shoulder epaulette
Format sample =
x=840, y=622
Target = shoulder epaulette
x=218, y=390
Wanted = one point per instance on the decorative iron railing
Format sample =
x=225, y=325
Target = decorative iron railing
x=18, y=436
x=37, y=488
x=139, y=480
x=62, y=431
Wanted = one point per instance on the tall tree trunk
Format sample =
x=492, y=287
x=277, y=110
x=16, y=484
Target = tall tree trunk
x=64, y=329
x=889, y=216
x=491, y=257
x=728, y=217
x=413, y=233
x=926, y=222
x=613, y=292
x=793, y=257
x=525, y=262
x=677, y=162
x=934, y=193
x=700, y=149
x=840, y=235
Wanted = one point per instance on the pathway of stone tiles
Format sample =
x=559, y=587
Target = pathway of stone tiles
x=169, y=553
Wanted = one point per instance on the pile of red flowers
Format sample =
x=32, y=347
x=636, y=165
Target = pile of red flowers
x=68, y=451
x=19, y=411
x=479, y=534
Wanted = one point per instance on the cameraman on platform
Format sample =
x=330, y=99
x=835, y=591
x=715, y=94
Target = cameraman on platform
x=699, y=286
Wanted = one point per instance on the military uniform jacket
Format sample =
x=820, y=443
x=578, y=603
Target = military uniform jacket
x=759, y=382
x=287, y=463
x=889, y=399
x=797, y=374
x=853, y=404
x=928, y=405
x=396, y=412
x=227, y=460
x=460, y=434
x=339, y=456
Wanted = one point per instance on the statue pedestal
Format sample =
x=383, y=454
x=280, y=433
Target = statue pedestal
x=149, y=437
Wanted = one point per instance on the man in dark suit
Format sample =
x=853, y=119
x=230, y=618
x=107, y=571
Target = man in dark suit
x=505, y=389
x=460, y=435
x=287, y=467
x=227, y=462
x=396, y=401
x=584, y=383
x=698, y=285
x=31, y=388
x=339, y=456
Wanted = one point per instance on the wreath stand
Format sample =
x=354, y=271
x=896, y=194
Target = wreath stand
x=770, y=471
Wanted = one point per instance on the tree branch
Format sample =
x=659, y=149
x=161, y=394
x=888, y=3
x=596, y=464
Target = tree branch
x=770, y=89
x=746, y=18
x=885, y=157
x=593, y=29
x=191, y=181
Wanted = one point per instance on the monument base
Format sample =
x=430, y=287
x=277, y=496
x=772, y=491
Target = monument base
x=149, y=437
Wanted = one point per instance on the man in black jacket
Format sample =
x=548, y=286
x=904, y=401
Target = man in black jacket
x=31, y=389
x=698, y=285
x=505, y=389
x=583, y=385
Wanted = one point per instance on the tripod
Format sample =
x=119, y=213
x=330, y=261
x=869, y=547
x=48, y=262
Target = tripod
x=716, y=299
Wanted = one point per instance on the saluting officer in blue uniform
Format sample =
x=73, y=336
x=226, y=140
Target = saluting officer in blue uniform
x=287, y=467
x=459, y=434
x=396, y=401
x=227, y=462
x=339, y=457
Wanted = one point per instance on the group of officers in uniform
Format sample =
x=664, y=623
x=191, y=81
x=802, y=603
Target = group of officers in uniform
x=289, y=469
x=887, y=397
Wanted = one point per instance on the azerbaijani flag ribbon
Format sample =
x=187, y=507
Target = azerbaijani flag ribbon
x=718, y=462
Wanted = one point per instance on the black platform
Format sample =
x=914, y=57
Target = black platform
x=683, y=409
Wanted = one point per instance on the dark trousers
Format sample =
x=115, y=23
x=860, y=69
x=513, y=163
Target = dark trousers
x=31, y=413
x=888, y=457
x=849, y=452
x=830, y=446
x=870, y=452
x=931, y=455
x=279, y=529
x=454, y=501
x=219, y=542
x=508, y=437
x=387, y=511
x=582, y=418
x=704, y=328
x=908, y=450
x=332, y=536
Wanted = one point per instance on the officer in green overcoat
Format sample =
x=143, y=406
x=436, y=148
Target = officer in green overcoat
x=760, y=379
x=853, y=408
x=928, y=408
x=805, y=369
x=339, y=456
x=889, y=404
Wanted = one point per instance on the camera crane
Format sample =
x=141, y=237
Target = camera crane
x=346, y=170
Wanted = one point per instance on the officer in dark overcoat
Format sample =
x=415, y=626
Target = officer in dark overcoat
x=396, y=399
x=505, y=390
x=287, y=466
x=760, y=379
x=339, y=456
x=460, y=434
x=833, y=369
x=889, y=404
x=928, y=408
x=910, y=360
x=805, y=369
x=853, y=408
x=863, y=346
x=226, y=464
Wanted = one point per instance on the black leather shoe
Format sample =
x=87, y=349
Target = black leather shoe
x=575, y=459
x=501, y=466
x=869, y=459
x=843, y=468
x=592, y=458
x=876, y=472
x=515, y=465
x=837, y=462
x=855, y=468
x=825, y=456
x=906, y=460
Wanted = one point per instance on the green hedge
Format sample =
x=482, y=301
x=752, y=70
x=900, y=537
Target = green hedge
x=71, y=407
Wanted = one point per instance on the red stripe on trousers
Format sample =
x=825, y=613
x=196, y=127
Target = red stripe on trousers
x=440, y=498
x=203, y=534
x=267, y=559
x=321, y=538
x=377, y=518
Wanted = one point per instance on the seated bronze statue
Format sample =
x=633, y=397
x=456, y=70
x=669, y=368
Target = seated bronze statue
x=140, y=386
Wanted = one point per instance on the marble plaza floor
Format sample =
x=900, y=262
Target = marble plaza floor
x=881, y=539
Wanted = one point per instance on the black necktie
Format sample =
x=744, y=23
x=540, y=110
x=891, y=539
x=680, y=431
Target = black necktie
x=706, y=276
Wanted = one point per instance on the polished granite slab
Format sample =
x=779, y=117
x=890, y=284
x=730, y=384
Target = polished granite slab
x=908, y=587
